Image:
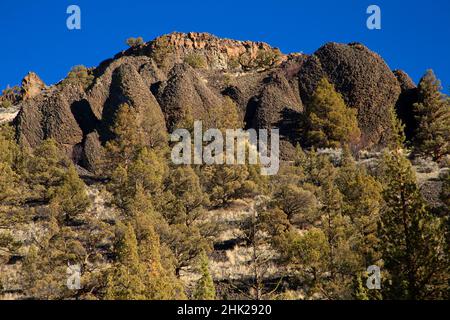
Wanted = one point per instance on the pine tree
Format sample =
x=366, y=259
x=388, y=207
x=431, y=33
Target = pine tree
x=432, y=113
x=397, y=137
x=412, y=240
x=125, y=281
x=342, y=260
x=205, y=289
x=142, y=264
x=330, y=121
x=362, y=203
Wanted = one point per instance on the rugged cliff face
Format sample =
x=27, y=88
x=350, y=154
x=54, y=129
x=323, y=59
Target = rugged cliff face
x=180, y=74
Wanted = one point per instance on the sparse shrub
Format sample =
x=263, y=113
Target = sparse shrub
x=5, y=104
x=234, y=64
x=79, y=75
x=135, y=42
x=265, y=58
x=9, y=97
x=196, y=61
x=161, y=49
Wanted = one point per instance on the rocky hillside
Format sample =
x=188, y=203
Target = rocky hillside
x=87, y=182
x=180, y=74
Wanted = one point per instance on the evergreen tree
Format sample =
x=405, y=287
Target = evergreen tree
x=254, y=232
x=8, y=156
x=135, y=42
x=308, y=254
x=412, y=240
x=360, y=290
x=397, y=137
x=148, y=170
x=125, y=281
x=128, y=138
x=342, y=261
x=45, y=170
x=224, y=183
x=44, y=271
x=185, y=198
x=143, y=270
x=330, y=121
x=298, y=204
x=362, y=203
x=432, y=113
x=186, y=244
x=226, y=116
x=79, y=75
x=70, y=197
x=205, y=289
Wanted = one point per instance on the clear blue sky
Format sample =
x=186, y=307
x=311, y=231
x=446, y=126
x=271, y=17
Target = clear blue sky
x=415, y=34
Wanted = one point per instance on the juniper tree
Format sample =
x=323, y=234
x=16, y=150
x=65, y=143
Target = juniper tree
x=9, y=178
x=186, y=244
x=253, y=230
x=185, y=198
x=298, y=204
x=135, y=42
x=79, y=75
x=432, y=113
x=224, y=183
x=397, y=136
x=412, y=240
x=148, y=170
x=70, y=198
x=308, y=254
x=45, y=170
x=44, y=271
x=128, y=137
x=330, y=122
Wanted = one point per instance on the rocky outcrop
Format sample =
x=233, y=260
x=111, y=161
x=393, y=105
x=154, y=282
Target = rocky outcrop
x=50, y=116
x=186, y=95
x=32, y=86
x=181, y=77
x=214, y=52
x=364, y=80
x=128, y=87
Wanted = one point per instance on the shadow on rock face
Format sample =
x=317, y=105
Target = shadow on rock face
x=84, y=116
x=250, y=113
x=288, y=125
